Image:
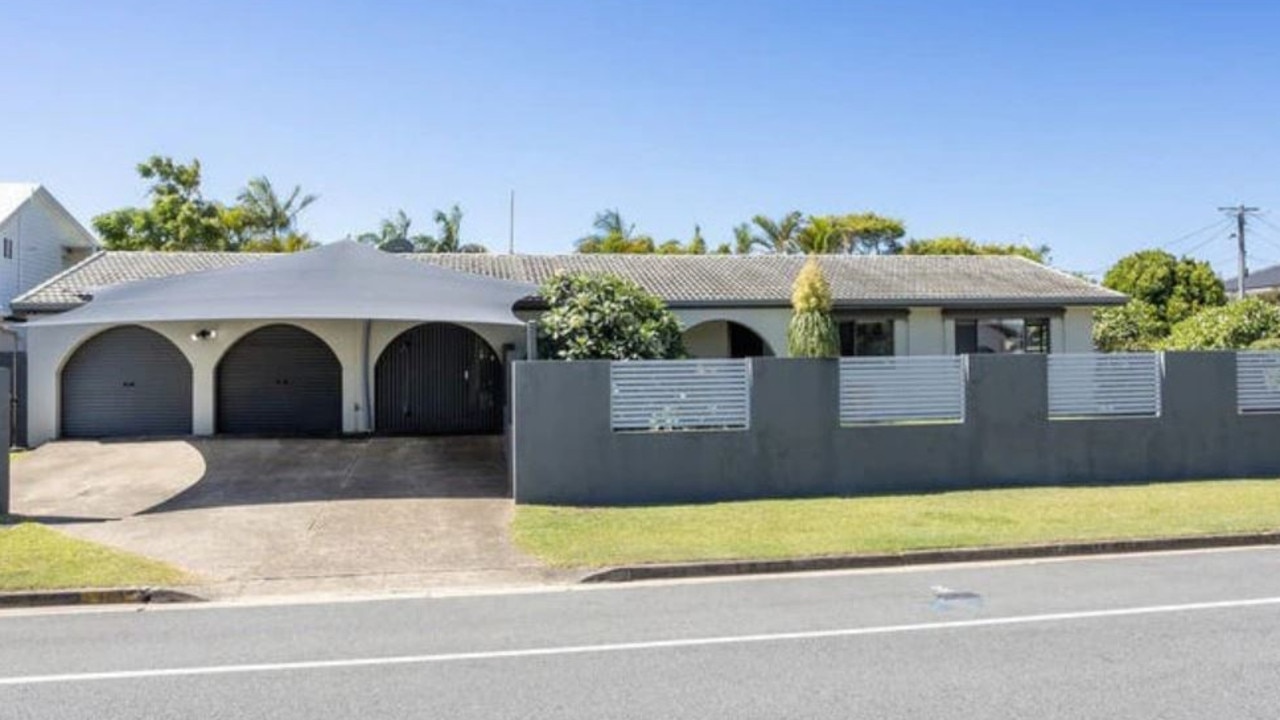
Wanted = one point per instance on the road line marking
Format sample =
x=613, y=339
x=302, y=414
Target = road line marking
x=629, y=646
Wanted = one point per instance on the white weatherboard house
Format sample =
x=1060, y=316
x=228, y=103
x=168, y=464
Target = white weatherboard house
x=347, y=339
x=38, y=239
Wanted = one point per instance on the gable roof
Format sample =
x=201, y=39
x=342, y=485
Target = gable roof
x=680, y=280
x=15, y=195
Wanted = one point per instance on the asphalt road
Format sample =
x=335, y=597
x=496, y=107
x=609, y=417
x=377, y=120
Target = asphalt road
x=1160, y=636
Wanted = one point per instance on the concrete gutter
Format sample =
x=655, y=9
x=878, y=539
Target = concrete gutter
x=923, y=557
x=90, y=596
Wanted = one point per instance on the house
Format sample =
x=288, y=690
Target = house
x=345, y=339
x=1266, y=280
x=38, y=239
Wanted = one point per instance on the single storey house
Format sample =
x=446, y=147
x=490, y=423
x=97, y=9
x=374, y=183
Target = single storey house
x=1257, y=282
x=345, y=338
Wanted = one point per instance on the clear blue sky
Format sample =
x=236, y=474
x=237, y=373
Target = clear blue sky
x=1094, y=127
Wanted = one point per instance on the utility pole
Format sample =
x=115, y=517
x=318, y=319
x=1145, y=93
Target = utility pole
x=511, y=226
x=1242, y=213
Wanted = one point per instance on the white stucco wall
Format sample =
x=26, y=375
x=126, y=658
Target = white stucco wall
x=1077, y=331
x=50, y=347
x=927, y=333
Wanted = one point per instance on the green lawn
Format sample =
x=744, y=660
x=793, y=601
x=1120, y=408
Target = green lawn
x=831, y=526
x=33, y=557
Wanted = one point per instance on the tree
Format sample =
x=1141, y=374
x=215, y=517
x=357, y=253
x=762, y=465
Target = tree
x=1133, y=327
x=266, y=213
x=869, y=234
x=393, y=235
x=605, y=317
x=775, y=236
x=959, y=245
x=1176, y=287
x=613, y=235
x=1229, y=327
x=449, y=237
x=812, y=332
x=179, y=217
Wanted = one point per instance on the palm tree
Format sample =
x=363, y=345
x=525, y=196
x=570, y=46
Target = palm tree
x=777, y=236
x=265, y=212
x=449, y=239
x=821, y=235
x=613, y=235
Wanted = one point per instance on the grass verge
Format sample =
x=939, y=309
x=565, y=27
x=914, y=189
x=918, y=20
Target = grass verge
x=33, y=557
x=595, y=537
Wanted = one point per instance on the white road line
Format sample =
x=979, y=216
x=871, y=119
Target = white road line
x=631, y=646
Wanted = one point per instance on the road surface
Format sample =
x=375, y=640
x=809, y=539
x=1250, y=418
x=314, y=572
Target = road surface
x=1194, y=635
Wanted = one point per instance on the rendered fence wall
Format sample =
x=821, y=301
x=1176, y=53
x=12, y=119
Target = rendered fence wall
x=566, y=452
x=664, y=395
x=902, y=389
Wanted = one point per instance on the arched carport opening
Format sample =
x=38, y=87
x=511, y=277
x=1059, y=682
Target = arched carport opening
x=724, y=339
x=127, y=381
x=438, y=379
x=279, y=380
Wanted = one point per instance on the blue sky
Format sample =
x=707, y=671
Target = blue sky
x=1095, y=127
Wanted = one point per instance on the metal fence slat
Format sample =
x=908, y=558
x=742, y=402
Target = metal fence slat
x=901, y=389
x=1104, y=385
x=661, y=395
x=1258, y=382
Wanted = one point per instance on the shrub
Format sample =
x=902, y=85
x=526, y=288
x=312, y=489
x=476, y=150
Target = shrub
x=1267, y=343
x=812, y=332
x=1132, y=327
x=605, y=317
x=1233, y=326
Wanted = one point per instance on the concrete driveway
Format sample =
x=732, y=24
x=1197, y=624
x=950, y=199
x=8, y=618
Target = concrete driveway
x=273, y=516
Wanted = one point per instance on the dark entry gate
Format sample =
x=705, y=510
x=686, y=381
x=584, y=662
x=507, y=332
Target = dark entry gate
x=438, y=379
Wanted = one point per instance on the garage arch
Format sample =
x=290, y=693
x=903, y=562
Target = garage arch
x=438, y=379
x=279, y=380
x=127, y=381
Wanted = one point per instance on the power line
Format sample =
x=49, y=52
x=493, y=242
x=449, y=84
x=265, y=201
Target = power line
x=1193, y=233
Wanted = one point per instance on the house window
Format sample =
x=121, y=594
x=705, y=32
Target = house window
x=8, y=249
x=866, y=337
x=1002, y=335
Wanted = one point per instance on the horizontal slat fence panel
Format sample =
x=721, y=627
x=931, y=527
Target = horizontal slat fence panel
x=1104, y=385
x=1258, y=382
x=658, y=395
x=876, y=390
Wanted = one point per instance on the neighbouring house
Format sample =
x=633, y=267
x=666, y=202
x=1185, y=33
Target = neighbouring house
x=1257, y=282
x=38, y=239
x=346, y=339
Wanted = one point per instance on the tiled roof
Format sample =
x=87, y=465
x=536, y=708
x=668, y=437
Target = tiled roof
x=1268, y=278
x=897, y=280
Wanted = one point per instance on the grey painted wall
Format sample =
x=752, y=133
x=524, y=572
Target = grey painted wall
x=565, y=453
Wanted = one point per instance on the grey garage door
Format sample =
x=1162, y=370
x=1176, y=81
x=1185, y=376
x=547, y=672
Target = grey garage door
x=438, y=379
x=280, y=380
x=127, y=381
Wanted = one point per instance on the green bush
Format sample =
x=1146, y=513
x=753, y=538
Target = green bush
x=1234, y=326
x=1267, y=343
x=1176, y=287
x=1133, y=327
x=812, y=332
x=605, y=317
